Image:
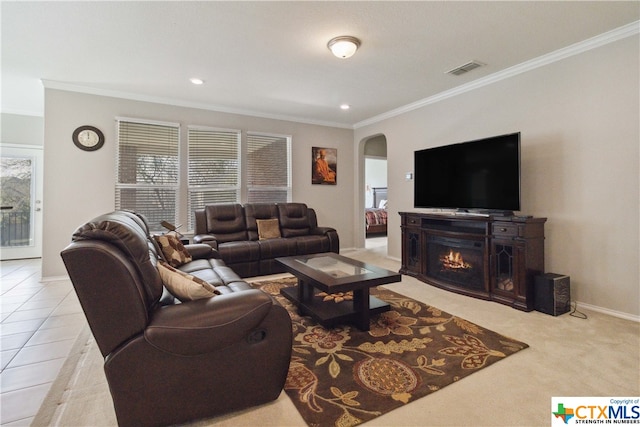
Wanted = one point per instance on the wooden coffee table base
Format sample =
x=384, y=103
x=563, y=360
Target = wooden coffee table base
x=329, y=313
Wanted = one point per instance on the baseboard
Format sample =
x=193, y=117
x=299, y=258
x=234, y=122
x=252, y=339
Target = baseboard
x=614, y=313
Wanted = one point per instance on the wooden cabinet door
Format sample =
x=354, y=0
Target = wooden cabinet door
x=412, y=248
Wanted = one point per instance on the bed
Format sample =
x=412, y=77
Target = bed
x=375, y=218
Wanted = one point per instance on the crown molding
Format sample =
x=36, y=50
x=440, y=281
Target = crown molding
x=555, y=56
x=71, y=87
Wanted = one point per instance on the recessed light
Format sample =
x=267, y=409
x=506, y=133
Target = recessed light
x=345, y=106
x=196, y=81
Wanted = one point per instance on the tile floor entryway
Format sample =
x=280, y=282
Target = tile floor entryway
x=40, y=324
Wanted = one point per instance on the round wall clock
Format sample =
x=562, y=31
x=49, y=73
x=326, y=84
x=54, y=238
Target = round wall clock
x=88, y=138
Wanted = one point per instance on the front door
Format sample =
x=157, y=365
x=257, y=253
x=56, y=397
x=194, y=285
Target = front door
x=20, y=202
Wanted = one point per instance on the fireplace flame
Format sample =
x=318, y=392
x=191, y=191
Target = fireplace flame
x=453, y=261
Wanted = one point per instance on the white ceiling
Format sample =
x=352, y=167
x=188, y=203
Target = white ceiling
x=270, y=58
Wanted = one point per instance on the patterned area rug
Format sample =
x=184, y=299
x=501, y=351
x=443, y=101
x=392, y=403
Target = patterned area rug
x=343, y=377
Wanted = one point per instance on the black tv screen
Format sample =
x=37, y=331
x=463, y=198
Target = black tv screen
x=474, y=175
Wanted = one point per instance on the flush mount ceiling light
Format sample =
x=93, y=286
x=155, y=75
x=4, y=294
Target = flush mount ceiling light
x=345, y=106
x=344, y=46
x=196, y=81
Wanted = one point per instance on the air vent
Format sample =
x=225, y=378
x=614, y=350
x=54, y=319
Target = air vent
x=472, y=65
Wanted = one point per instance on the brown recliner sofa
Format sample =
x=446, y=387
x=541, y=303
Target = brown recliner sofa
x=169, y=364
x=232, y=229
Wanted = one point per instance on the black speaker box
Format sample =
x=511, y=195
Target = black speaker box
x=552, y=294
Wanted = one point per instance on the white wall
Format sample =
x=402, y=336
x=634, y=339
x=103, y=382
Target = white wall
x=80, y=185
x=580, y=162
x=24, y=130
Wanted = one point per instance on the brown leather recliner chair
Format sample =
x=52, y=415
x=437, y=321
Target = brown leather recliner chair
x=174, y=363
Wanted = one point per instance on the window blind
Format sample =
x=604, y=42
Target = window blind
x=214, y=168
x=268, y=168
x=147, y=170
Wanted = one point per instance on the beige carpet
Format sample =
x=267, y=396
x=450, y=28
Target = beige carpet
x=568, y=356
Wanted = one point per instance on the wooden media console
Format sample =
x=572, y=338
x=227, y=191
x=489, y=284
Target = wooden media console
x=490, y=257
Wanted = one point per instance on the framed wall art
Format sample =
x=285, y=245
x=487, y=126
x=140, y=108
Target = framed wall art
x=324, y=165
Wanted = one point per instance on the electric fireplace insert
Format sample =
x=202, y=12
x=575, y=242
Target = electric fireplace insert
x=456, y=260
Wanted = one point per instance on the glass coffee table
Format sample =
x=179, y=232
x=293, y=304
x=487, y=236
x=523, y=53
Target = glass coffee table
x=335, y=275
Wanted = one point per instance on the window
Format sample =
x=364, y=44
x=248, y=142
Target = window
x=150, y=174
x=268, y=168
x=147, y=169
x=214, y=168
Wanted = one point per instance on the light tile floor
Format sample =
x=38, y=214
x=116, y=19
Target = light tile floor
x=40, y=322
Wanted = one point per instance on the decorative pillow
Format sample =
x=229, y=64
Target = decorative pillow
x=173, y=250
x=268, y=228
x=184, y=286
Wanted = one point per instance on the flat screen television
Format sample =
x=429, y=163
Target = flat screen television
x=481, y=175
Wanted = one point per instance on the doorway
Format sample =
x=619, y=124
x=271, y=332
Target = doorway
x=375, y=191
x=20, y=202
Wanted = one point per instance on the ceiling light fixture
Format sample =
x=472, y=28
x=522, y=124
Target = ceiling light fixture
x=345, y=106
x=344, y=46
x=196, y=81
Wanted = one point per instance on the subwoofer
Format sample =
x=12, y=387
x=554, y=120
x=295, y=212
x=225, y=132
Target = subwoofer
x=552, y=294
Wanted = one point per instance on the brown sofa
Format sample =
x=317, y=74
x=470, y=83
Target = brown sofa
x=169, y=364
x=233, y=230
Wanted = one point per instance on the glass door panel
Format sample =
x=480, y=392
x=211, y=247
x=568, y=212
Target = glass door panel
x=20, y=202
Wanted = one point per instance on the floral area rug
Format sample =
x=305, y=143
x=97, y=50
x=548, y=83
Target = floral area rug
x=343, y=377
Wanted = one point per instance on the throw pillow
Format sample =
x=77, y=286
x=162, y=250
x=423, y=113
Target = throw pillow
x=184, y=286
x=268, y=228
x=173, y=250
